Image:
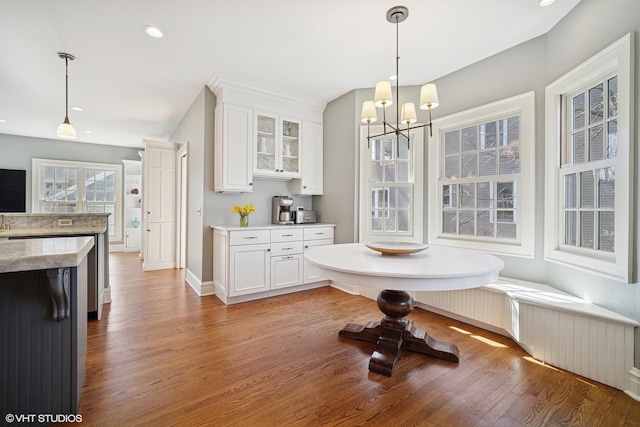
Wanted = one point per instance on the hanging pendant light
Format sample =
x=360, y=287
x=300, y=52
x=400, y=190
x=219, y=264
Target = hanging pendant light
x=383, y=97
x=65, y=130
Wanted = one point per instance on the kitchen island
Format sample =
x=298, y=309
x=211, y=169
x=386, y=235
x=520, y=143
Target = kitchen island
x=39, y=225
x=43, y=326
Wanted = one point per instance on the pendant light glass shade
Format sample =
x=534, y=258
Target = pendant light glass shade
x=383, y=97
x=369, y=114
x=428, y=97
x=65, y=130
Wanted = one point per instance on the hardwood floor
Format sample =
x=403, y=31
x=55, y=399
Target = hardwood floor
x=161, y=355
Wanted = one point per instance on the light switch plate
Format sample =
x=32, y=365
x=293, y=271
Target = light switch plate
x=65, y=222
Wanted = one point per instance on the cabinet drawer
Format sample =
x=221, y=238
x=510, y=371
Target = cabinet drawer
x=249, y=237
x=320, y=242
x=286, y=235
x=286, y=248
x=314, y=233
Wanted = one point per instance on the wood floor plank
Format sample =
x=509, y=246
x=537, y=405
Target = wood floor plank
x=161, y=355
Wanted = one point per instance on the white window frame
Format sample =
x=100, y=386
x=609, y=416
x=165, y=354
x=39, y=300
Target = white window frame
x=618, y=59
x=416, y=160
x=524, y=210
x=37, y=190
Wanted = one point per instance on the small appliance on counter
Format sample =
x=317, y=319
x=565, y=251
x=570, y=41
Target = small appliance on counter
x=305, y=217
x=282, y=211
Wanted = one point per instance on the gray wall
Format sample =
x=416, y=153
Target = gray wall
x=192, y=131
x=337, y=204
x=197, y=128
x=529, y=66
x=18, y=151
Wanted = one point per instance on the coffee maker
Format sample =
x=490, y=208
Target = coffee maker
x=282, y=210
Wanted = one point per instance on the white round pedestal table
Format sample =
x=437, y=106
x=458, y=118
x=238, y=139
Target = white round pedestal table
x=438, y=268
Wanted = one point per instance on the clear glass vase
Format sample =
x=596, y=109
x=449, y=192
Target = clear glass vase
x=244, y=220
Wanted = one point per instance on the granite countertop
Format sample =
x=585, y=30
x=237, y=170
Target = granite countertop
x=40, y=254
x=235, y=227
x=57, y=231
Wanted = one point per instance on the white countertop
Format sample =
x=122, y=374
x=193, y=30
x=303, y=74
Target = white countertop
x=230, y=227
x=438, y=268
x=40, y=254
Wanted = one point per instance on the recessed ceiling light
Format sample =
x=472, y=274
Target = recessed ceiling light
x=152, y=31
x=393, y=78
x=544, y=3
x=77, y=108
x=3, y=121
x=87, y=131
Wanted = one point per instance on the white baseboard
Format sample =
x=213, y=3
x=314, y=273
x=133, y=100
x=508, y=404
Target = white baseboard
x=228, y=300
x=350, y=289
x=106, y=295
x=159, y=266
x=118, y=247
x=199, y=287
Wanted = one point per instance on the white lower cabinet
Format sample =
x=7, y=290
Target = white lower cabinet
x=265, y=260
x=286, y=271
x=286, y=257
x=132, y=239
x=249, y=268
x=160, y=247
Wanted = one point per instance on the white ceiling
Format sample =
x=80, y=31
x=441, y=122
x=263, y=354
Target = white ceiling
x=132, y=86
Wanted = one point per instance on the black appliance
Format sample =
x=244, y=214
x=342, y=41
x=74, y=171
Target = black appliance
x=13, y=190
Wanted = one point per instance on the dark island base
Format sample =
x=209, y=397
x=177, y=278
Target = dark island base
x=43, y=331
x=394, y=333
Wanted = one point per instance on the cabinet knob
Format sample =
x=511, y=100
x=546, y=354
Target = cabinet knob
x=268, y=250
x=251, y=183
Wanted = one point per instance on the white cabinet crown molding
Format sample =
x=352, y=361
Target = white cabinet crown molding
x=230, y=91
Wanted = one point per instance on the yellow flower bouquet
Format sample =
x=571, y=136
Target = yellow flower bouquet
x=244, y=212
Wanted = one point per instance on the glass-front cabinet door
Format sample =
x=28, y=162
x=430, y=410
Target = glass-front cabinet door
x=277, y=147
x=265, y=144
x=290, y=148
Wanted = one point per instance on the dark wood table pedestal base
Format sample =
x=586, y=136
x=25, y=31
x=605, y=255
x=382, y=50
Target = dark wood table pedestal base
x=394, y=333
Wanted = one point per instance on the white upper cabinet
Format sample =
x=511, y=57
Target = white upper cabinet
x=233, y=153
x=311, y=175
x=277, y=146
x=261, y=134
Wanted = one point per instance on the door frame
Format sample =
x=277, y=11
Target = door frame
x=182, y=186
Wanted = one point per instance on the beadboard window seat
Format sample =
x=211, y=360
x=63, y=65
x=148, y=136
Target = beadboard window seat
x=552, y=326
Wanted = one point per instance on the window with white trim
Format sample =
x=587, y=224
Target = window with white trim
x=589, y=165
x=481, y=178
x=391, y=187
x=66, y=186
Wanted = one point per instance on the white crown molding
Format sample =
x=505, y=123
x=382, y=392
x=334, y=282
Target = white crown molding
x=218, y=85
